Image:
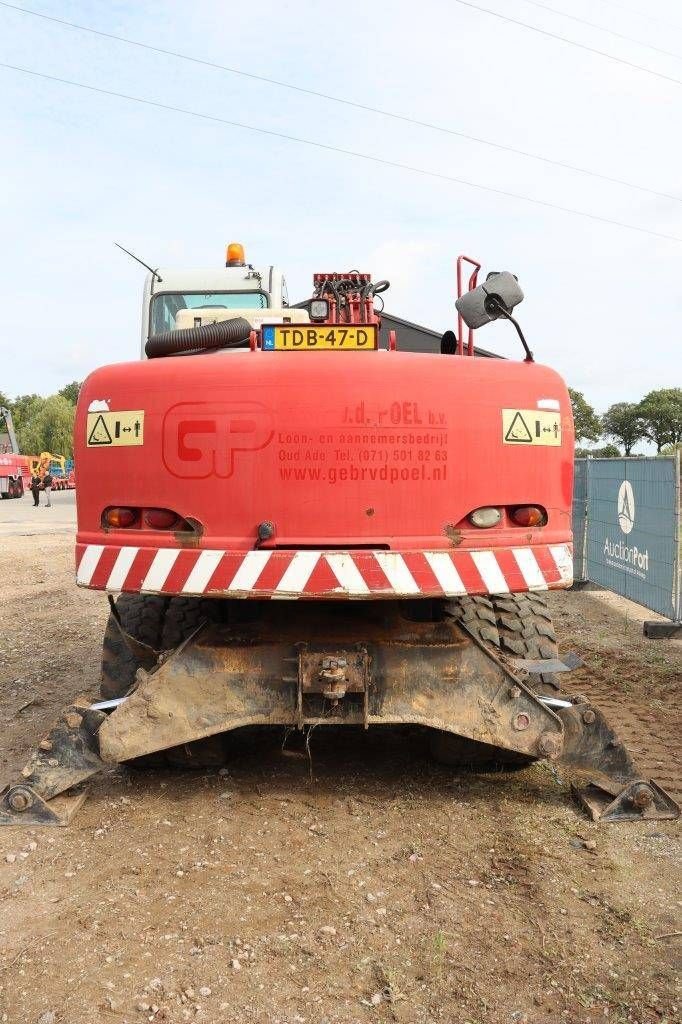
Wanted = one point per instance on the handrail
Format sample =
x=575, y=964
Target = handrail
x=460, y=322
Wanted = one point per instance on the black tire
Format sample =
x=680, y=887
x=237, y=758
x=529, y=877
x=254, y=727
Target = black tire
x=162, y=623
x=143, y=618
x=525, y=629
x=524, y=623
x=460, y=752
x=20, y=488
x=519, y=625
x=478, y=615
x=183, y=616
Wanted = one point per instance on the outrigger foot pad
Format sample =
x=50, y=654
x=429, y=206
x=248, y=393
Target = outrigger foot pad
x=21, y=805
x=64, y=758
x=640, y=800
x=604, y=778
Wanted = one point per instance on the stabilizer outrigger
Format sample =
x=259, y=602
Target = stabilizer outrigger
x=437, y=675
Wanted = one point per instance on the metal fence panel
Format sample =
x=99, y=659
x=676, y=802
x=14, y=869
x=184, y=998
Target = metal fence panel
x=580, y=518
x=632, y=530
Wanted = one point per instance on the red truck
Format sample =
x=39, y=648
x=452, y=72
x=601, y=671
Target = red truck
x=13, y=466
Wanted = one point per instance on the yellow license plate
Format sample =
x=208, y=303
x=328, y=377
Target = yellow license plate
x=320, y=338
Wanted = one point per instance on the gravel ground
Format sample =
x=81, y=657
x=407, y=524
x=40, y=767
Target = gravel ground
x=369, y=884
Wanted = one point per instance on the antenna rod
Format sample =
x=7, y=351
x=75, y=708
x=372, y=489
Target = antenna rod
x=146, y=265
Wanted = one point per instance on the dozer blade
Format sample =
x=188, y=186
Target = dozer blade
x=419, y=673
x=374, y=669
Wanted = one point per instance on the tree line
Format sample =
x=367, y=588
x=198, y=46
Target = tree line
x=44, y=424
x=657, y=418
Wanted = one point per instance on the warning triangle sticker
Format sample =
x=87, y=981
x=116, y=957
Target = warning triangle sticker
x=518, y=431
x=99, y=433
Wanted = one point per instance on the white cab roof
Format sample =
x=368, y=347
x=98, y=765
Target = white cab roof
x=213, y=279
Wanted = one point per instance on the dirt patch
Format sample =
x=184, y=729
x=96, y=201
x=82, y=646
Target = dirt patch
x=635, y=681
x=368, y=885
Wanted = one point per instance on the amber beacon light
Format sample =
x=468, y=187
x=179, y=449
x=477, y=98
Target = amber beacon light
x=234, y=256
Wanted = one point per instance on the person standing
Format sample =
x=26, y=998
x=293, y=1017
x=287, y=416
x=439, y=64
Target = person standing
x=47, y=486
x=35, y=489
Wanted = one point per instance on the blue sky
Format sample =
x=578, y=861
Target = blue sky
x=81, y=170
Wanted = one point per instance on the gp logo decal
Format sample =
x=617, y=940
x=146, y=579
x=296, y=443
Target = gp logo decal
x=115, y=429
x=531, y=427
x=202, y=439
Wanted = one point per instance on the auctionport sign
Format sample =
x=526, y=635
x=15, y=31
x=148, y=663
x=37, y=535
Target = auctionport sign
x=632, y=530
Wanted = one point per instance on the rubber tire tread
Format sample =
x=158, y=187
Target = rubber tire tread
x=482, y=617
x=142, y=616
x=183, y=616
x=524, y=624
x=478, y=615
x=162, y=623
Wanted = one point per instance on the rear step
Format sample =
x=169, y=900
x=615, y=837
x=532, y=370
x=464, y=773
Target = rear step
x=437, y=675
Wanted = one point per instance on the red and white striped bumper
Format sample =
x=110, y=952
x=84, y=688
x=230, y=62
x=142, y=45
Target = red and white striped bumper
x=324, y=574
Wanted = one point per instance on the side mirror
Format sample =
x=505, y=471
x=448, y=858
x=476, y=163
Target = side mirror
x=481, y=305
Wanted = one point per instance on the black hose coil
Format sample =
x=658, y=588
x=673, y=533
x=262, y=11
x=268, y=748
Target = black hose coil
x=224, y=334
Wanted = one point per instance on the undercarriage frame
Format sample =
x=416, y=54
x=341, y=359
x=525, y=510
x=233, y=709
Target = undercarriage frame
x=371, y=666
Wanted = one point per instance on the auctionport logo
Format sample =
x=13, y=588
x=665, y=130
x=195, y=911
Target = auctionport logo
x=626, y=507
x=617, y=553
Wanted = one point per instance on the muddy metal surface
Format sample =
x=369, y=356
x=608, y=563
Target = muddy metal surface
x=364, y=883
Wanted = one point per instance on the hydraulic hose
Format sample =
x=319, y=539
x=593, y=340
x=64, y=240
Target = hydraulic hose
x=224, y=334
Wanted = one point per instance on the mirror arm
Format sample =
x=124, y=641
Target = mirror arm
x=496, y=306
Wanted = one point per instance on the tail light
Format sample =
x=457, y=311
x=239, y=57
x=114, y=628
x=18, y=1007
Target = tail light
x=119, y=518
x=528, y=515
x=486, y=517
x=159, y=518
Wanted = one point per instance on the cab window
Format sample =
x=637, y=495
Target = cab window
x=166, y=305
